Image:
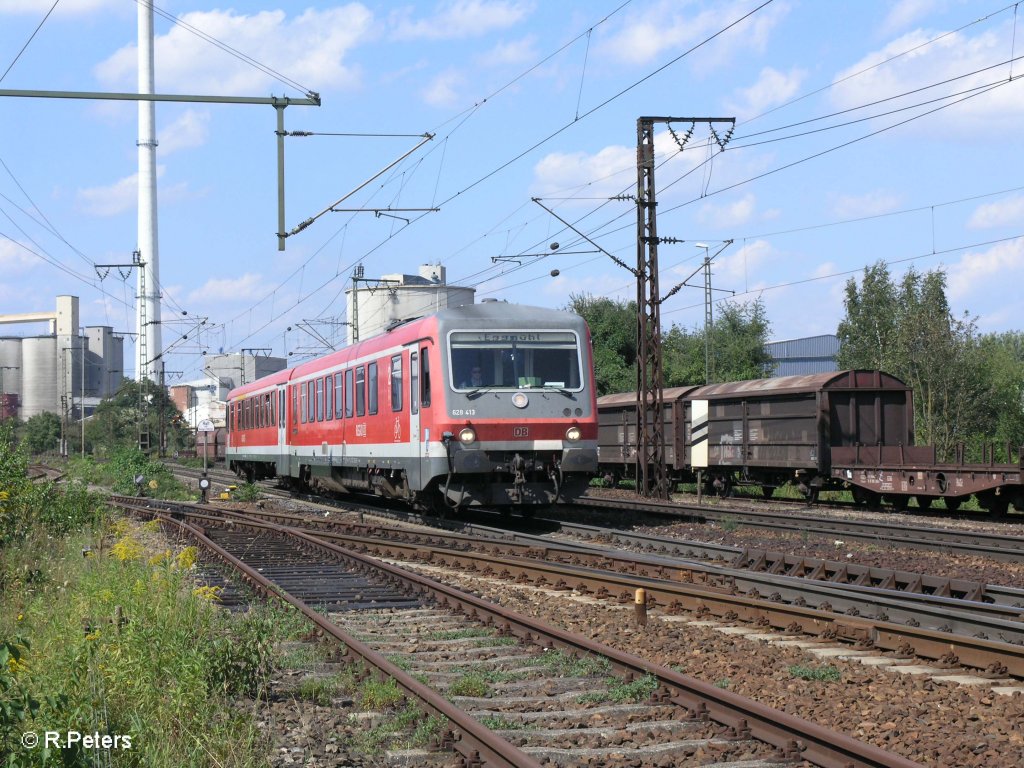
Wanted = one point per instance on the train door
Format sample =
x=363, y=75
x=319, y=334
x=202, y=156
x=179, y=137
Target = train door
x=414, y=415
x=282, y=430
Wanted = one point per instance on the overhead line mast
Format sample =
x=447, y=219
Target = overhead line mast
x=652, y=474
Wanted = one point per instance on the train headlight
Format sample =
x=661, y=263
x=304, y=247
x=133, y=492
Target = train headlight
x=572, y=433
x=520, y=400
x=467, y=436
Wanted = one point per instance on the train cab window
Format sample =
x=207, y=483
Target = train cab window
x=515, y=360
x=302, y=407
x=360, y=391
x=328, y=398
x=337, y=396
x=348, y=394
x=371, y=388
x=424, y=378
x=396, y=383
x=414, y=383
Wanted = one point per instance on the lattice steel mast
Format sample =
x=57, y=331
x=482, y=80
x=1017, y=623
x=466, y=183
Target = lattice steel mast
x=652, y=475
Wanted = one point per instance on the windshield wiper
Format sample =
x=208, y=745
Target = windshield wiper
x=563, y=390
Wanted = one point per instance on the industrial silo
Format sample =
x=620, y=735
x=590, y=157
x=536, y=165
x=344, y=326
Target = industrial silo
x=40, y=376
x=10, y=365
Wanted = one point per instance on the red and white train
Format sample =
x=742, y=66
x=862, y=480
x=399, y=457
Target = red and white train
x=487, y=404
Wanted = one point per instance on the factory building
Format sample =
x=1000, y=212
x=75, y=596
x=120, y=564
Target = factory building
x=380, y=303
x=65, y=371
x=798, y=357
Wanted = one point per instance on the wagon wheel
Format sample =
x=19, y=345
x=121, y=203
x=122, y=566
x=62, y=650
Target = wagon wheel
x=953, y=502
x=924, y=502
x=861, y=496
x=767, y=491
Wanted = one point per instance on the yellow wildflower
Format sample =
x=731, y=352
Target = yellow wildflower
x=127, y=549
x=208, y=592
x=187, y=557
x=160, y=557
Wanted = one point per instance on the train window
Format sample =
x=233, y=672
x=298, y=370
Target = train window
x=295, y=404
x=371, y=388
x=319, y=399
x=360, y=391
x=268, y=410
x=515, y=360
x=396, y=383
x=337, y=395
x=424, y=378
x=257, y=412
x=245, y=413
x=328, y=398
x=302, y=407
x=280, y=407
x=414, y=383
x=348, y=394
x=310, y=402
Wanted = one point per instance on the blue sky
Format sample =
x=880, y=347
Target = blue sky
x=865, y=130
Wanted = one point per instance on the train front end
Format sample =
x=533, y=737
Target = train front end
x=518, y=427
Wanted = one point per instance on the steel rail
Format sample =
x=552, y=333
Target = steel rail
x=950, y=616
x=954, y=615
x=994, y=545
x=719, y=600
x=794, y=737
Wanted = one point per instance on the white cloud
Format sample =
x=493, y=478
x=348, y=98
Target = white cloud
x=310, y=48
x=522, y=51
x=1002, y=213
x=603, y=173
x=671, y=26
x=732, y=270
x=976, y=269
x=457, y=19
x=728, y=214
x=905, y=13
x=610, y=170
x=443, y=90
x=998, y=111
x=229, y=289
x=15, y=259
x=123, y=195
x=189, y=130
x=771, y=89
x=870, y=204
x=110, y=200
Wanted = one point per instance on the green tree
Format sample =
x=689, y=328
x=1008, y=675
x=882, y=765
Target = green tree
x=135, y=407
x=908, y=330
x=1002, y=359
x=41, y=433
x=613, y=332
x=867, y=334
x=738, y=339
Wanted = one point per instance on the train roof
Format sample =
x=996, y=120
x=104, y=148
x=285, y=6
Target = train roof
x=491, y=313
x=790, y=385
x=668, y=394
x=813, y=382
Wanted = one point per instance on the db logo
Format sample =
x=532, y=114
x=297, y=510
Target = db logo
x=520, y=431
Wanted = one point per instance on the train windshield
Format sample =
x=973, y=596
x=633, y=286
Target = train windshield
x=515, y=360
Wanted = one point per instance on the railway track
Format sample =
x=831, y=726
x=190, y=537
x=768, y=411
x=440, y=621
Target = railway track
x=997, y=546
x=674, y=717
